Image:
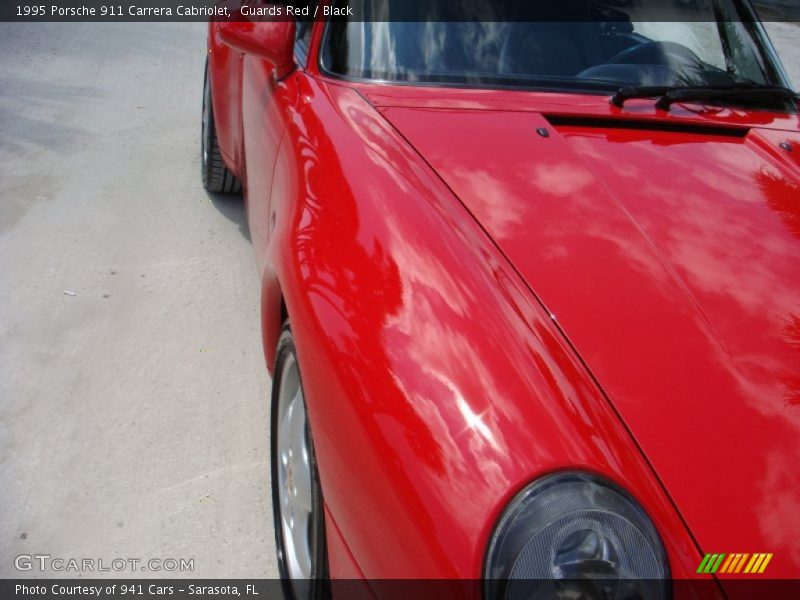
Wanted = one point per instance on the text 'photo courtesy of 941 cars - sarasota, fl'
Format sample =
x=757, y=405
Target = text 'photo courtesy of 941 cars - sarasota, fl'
x=530, y=291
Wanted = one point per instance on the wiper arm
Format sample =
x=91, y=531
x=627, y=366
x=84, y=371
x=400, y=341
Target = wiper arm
x=755, y=93
x=629, y=92
x=671, y=94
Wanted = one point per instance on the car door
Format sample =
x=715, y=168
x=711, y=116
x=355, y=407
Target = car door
x=266, y=103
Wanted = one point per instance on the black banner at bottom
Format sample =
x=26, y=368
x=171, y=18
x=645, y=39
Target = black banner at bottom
x=416, y=589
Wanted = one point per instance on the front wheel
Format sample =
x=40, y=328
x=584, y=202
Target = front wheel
x=216, y=176
x=296, y=494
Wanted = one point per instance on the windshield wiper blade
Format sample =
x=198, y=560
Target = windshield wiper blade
x=754, y=93
x=671, y=94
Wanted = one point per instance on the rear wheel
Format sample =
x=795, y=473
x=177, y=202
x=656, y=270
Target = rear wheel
x=296, y=494
x=216, y=176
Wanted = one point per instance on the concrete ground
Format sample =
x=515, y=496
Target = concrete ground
x=133, y=393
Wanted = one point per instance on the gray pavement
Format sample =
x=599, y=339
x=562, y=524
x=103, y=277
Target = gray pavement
x=133, y=393
x=133, y=414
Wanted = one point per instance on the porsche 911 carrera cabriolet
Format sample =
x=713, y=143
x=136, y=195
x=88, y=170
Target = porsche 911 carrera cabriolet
x=530, y=290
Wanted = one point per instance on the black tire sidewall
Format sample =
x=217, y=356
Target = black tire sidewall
x=207, y=131
x=216, y=176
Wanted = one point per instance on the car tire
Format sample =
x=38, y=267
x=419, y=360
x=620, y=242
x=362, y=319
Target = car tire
x=216, y=176
x=295, y=483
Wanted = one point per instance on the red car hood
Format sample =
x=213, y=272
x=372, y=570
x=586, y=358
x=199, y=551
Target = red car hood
x=670, y=257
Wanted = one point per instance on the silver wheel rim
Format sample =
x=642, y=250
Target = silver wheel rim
x=294, y=477
x=206, y=118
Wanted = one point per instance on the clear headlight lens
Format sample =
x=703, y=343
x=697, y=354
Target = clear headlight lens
x=575, y=536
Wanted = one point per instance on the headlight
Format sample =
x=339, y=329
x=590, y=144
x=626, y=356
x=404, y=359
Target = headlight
x=575, y=536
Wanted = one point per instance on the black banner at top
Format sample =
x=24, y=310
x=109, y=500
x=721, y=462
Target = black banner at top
x=400, y=10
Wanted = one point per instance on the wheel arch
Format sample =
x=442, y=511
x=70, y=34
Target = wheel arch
x=273, y=314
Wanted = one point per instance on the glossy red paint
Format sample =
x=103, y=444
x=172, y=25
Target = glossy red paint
x=672, y=262
x=422, y=239
x=274, y=43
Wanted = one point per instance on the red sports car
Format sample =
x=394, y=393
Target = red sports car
x=530, y=290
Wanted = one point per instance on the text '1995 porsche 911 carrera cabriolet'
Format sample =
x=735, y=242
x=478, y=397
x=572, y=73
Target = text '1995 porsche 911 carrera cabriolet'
x=530, y=291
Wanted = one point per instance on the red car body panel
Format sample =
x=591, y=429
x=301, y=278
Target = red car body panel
x=420, y=296
x=672, y=262
x=430, y=366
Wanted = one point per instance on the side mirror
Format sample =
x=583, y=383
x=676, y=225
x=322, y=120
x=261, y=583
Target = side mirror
x=273, y=40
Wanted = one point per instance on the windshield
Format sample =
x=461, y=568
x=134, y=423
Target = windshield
x=597, y=46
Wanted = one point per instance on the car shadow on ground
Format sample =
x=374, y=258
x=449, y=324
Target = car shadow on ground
x=232, y=207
